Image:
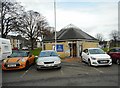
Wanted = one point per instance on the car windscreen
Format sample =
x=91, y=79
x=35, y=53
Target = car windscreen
x=19, y=54
x=48, y=54
x=117, y=50
x=96, y=51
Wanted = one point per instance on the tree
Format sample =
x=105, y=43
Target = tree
x=114, y=35
x=99, y=37
x=10, y=12
x=33, y=25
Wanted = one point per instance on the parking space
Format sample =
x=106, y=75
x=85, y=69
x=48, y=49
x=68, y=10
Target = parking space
x=74, y=71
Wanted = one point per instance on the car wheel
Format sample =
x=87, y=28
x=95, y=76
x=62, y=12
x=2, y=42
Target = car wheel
x=82, y=59
x=59, y=67
x=27, y=65
x=89, y=62
x=37, y=69
x=118, y=61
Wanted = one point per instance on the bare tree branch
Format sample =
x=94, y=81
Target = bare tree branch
x=10, y=12
x=99, y=37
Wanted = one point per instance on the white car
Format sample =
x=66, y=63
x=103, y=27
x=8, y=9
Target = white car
x=96, y=57
x=5, y=48
x=25, y=48
x=48, y=59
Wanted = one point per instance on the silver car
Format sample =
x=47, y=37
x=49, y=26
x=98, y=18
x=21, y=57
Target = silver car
x=48, y=59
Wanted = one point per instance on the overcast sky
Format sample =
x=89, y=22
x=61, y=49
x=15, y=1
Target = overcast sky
x=91, y=16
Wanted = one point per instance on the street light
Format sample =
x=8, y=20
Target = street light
x=55, y=21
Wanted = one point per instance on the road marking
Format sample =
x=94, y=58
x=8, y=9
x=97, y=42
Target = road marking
x=98, y=70
x=24, y=73
x=61, y=72
x=86, y=73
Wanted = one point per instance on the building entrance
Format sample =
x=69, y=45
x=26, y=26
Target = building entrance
x=73, y=49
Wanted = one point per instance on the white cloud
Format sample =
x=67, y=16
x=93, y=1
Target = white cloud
x=102, y=20
x=97, y=19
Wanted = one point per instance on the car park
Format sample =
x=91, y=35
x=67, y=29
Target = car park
x=18, y=60
x=48, y=59
x=96, y=57
x=115, y=54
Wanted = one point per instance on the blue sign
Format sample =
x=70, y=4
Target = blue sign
x=59, y=48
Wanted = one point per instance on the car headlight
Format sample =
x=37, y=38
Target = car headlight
x=57, y=62
x=4, y=61
x=93, y=58
x=40, y=63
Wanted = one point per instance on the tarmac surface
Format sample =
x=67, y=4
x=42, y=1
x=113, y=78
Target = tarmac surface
x=73, y=73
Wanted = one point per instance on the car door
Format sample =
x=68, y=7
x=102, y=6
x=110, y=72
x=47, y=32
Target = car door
x=114, y=53
x=111, y=53
x=85, y=55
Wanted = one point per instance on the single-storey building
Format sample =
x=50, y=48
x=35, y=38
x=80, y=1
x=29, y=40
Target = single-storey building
x=70, y=41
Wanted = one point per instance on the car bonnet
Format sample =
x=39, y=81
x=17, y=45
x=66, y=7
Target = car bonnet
x=15, y=59
x=100, y=55
x=48, y=59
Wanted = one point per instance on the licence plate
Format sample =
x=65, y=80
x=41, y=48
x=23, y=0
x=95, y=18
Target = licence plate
x=12, y=65
x=47, y=65
x=103, y=61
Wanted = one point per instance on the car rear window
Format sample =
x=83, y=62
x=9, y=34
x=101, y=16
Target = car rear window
x=115, y=50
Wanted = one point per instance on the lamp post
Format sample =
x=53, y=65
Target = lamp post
x=55, y=21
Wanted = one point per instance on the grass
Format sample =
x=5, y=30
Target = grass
x=105, y=49
x=36, y=51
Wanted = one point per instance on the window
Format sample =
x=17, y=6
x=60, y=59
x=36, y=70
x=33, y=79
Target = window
x=115, y=50
x=112, y=50
x=17, y=45
x=17, y=41
x=96, y=51
x=48, y=54
x=19, y=54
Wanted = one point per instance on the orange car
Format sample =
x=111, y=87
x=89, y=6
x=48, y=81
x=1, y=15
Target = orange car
x=18, y=60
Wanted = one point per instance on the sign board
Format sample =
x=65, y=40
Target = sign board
x=59, y=48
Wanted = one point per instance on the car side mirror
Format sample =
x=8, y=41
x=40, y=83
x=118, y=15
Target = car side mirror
x=8, y=56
